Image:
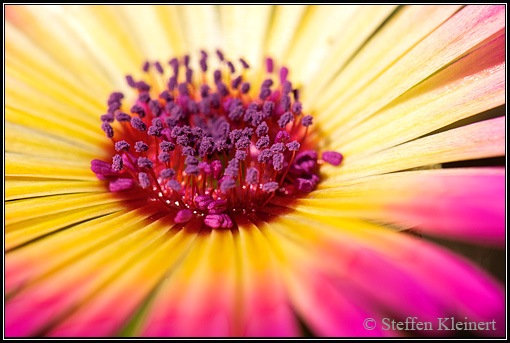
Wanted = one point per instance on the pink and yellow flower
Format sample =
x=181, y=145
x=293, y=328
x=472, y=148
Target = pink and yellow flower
x=399, y=90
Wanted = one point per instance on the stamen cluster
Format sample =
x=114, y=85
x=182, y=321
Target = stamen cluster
x=210, y=149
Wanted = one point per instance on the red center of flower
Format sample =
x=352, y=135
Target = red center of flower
x=211, y=151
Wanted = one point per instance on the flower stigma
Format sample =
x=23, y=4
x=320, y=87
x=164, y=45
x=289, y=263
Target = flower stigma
x=211, y=149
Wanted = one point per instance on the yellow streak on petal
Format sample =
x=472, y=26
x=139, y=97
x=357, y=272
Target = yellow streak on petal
x=63, y=129
x=312, y=41
x=19, y=189
x=184, y=300
x=21, y=96
x=108, y=37
x=286, y=21
x=480, y=140
x=63, y=247
x=151, y=39
x=133, y=284
x=469, y=29
x=201, y=28
x=28, y=59
x=83, y=277
x=48, y=27
x=22, y=140
x=474, y=84
x=66, y=93
x=408, y=26
x=245, y=29
x=32, y=166
x=27, y=230
x=357, y=30
x=172, y=24
x=18, y=210
x=261, y=283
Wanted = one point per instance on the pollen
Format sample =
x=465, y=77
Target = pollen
x=209, y=145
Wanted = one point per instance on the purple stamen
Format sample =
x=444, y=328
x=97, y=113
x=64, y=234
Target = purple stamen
x=144, y=162
x=264, y=156
x=217, y=206
x=241, y=155
x=144, y=180
x=282, y=136
x=138, y=110
x=267, y=109
x=285, y=102
x=174, y=185
x=284, y=72
x=217, y=76
x=262, y=129
x=278, y=161
x=269, y=65
x=264, y=93
x=293, y=146
x=297, y=107
x=252, y=176
x=107, y=128
x=278, y=147
x=245, y=87
x=183, y=216
x=166, y=146
x=231, y=67
x=122, y=146
x=109, y=118
x=130, y=81
x=286, y=118
x=164, y=157
x=270, y=187
x=172, y=83
x=307, y=120
x=145, y=66
x=117, y=163
x=119, y=185
x=267, y=83
x=155, y=107
x=167, y=173
x=243, y=62
x=159, y=68
x=332, y=157
x=141, y=146
x=236, y=82
x=101, y=167
x=220, y=55
x=201, y=201
x=144, y=97
x=192, y=169
x=262, y=143
x=138, y=124
x=226, y=185
x=218, y=220
x=217, y=168
x=121, y=117
x=286, y=87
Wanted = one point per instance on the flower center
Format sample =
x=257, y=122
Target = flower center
x=210, y=149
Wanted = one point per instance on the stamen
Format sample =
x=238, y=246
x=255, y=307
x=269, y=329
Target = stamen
x=210, y=153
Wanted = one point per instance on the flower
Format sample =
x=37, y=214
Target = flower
x=390, y=87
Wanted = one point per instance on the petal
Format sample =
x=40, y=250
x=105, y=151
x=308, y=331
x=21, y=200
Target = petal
x=264, y=308
x=467, y=30
x=473, y=84
x=183, y=305
x=401, y=275
x=479, y=140
x=464, y=204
